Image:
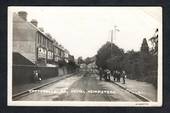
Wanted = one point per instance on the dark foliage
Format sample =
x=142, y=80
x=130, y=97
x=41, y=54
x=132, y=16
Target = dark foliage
x=109, y=56
x=140, y=65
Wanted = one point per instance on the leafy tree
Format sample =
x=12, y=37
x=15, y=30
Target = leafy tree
x=108, y=56
x=153, y=66
x=87, y=60
x=145, y=47
x=80, y=60
x=154, y=41
x=131, y=64
x=145, y=58
x=140, y=65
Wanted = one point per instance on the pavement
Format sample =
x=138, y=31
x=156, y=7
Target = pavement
x=24, y=87
x=50, y=92
x=142, y=89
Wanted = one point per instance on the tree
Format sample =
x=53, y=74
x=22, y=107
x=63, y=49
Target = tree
x=145, y=59
x=131, y=64
x=87, y=60
x=154, y=41
x=154, y=58
x=145, y=47
x=107, y=57
x=80, y=60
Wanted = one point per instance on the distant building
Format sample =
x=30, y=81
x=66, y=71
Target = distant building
x=83, y=67
x=92, y=67
x=66, y=55
x=58, y=53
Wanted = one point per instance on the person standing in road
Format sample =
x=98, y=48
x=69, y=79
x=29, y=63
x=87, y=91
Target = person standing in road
x=118, y=76
x=108, y=74
x=100, y=73
x=115, y=76
x=123, y=76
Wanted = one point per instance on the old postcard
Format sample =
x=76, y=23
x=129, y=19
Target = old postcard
x=85, y=56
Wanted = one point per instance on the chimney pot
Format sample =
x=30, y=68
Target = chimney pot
x=23, y=15
x=41, y=29
x=34, y=22
x=48, y=35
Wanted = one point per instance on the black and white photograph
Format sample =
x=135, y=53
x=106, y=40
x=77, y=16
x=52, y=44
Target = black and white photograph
x=85, y=56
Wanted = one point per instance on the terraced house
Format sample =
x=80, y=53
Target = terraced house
x=35, y=49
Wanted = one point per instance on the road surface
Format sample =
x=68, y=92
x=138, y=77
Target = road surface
x=82, y=87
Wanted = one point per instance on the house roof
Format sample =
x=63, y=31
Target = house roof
x=16, y=18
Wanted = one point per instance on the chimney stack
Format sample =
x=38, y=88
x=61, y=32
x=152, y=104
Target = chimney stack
x=23, y=15
x=48, y=35
x=41, y=29
x=34, y=22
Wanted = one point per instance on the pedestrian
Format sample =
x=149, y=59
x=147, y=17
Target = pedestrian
x=39, y=75
x=108, y=74
x=118, y=76
x=123, y=76
x=100, y=73
x=105, y=74
x=36, y=76
x=115, y=75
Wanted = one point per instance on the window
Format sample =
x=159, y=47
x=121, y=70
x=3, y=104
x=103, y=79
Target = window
x=41, y=40
x=47, y=44
x=38, y=38
x=50, y=45
x=62, y=54
x=57, y=51
x=44, y=41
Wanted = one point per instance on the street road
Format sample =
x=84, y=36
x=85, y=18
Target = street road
x=82, y=87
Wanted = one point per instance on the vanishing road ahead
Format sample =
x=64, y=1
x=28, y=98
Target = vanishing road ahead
x=81, y=87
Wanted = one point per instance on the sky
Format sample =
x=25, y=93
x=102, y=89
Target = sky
x=83, y=30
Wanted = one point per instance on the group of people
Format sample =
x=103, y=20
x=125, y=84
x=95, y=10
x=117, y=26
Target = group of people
x=117, y=75
x=37, y=76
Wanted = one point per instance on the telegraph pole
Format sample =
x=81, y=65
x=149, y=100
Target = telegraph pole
x=111, y=41
x=115, y=29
